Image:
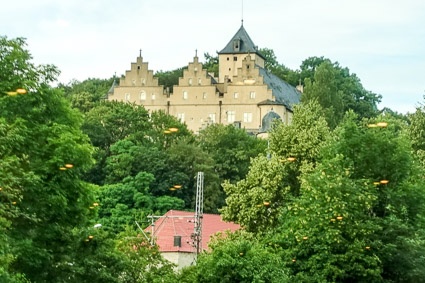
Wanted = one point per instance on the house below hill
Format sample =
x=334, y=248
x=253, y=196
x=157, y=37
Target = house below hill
x=173, y=234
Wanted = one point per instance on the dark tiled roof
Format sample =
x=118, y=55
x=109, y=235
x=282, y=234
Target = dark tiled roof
x=213, y=81
x=246, y=44
x=111, y=90
x=284, y=93
x=114, y=84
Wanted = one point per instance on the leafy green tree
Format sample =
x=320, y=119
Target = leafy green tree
x=122, y=203
x=275, y=181
x=231, y=149
x=254, y=202
x=211, y=64
x=94, y=89
x=144, y=263
x=325, y=90
x=239, y=257
x=169, y=78
x=159, y=134
x=342, y=90
x=55, y=199
x=107, y=123
x=13, y=177
x=129, y=158
x=112, y=121
x=360, y=211
x=327, y=234
x=417, y=132
x=187, y=160
x=83, y=101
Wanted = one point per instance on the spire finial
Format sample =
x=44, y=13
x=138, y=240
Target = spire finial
x=140, y=53
x=196, y=52
x=242, y=14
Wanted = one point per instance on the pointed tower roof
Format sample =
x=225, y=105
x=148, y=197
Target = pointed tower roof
x=245, y=44
x=111, y=90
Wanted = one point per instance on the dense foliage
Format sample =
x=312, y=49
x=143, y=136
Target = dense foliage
x=339, y=197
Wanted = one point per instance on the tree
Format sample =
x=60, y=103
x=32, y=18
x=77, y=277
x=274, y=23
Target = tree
x=239, y=257
x=336, y=87
x=94, y=89
x=169, y=78
x=417, y=133
x=275, y=181
x=107, y=123
x=325, y=90
x=327, y=234
x=52, y=195
x=211, y=64
x=187, y=160
x=360, y=210
x=231, y=149
x=112, y=121
x=122, y=203
x=254, y=201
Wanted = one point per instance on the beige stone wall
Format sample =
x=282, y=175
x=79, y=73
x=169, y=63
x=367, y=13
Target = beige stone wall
x=139, y=75
x=228, y=66
x=197, y=101
x=179, y=258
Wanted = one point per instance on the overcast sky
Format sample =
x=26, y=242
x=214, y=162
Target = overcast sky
x=382, y=41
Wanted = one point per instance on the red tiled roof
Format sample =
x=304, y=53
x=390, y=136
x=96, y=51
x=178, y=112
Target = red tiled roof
x=166, y=228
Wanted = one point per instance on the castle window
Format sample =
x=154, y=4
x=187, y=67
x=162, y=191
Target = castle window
x=127, y=97
x=199, y=81
x=236, y=44
x=235, y=58
x=204, y=95
x=252, y=95
x=230, y=116
x=184, y=94
x=143, y=95
x=153, y=96
x=235, y=95
x=211, y=117
x=228, y=58
x=180, y=117
x=190, y=81
x=138, y=67
x=247, y=117
x=230, y=69
x=143, y=81
x=247, y=66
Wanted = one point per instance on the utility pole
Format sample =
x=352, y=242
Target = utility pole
x=199, y=213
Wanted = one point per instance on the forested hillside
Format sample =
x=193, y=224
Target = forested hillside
x=337, y=196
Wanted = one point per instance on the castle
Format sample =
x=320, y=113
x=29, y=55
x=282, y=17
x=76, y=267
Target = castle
x=245, y=94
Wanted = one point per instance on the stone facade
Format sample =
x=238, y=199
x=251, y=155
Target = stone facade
x=242, y=95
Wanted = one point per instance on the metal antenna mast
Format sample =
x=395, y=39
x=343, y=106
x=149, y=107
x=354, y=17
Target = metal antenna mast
x=199, y=212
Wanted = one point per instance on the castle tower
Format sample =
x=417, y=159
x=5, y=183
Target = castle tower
x=231, y=57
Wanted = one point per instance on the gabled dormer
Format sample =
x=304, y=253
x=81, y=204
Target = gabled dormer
x=231, y=56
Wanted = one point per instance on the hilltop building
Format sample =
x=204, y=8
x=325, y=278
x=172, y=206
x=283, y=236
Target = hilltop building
x=245, y=94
